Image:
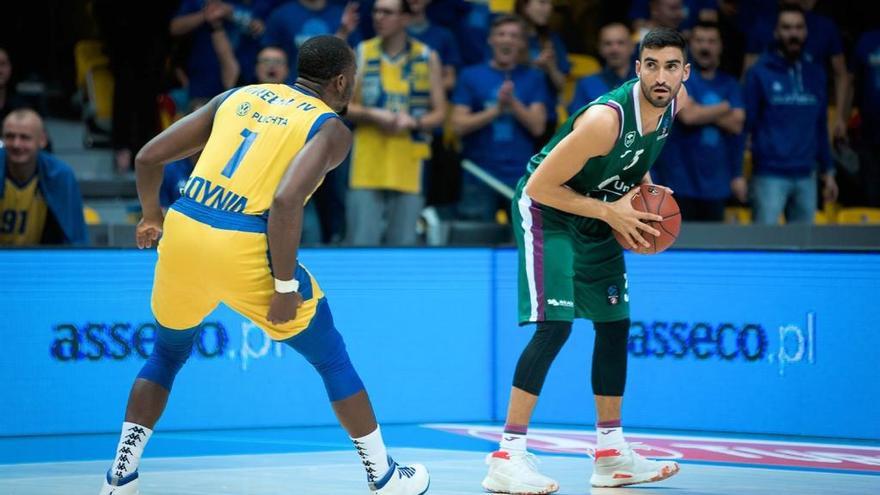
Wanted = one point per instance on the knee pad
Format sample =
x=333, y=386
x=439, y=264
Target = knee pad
x=170, y=352
x=609, y=357
x=534, y=363
x=322, y=346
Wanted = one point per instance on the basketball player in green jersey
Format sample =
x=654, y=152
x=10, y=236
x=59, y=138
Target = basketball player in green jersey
x=575, y=191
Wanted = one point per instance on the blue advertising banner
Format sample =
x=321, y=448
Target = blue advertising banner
x=77, y=328
x=722, y=341
x=742, y=342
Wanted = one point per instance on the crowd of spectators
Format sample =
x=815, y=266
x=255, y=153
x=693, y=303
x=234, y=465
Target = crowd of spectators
x=774, y=86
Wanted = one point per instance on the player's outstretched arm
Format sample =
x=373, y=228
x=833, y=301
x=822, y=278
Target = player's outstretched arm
x=594, y=134
x=324, y=152
x=185, y=137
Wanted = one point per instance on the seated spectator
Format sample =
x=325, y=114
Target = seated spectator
x=823, y=47
x=546, y=52
x=702, y=162
x=398, y=100
x=616, y=49
x=9, y=99
x=787, y=116
x=293, y=23
x=40, y=202
x=499, y=110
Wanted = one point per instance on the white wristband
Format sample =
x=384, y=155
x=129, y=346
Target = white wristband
x=286, y=286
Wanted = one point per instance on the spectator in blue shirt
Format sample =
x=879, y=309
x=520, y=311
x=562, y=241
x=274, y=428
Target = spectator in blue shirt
x=702, y=162
x=437, y=38
x=823, y=46
x=293, y=23
x=866, y=67
x=786, y=114
x=616, y=49
x=204, y=19
x=499, y=109
x=546, y=52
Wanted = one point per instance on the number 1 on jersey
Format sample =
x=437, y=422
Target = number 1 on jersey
x=231, y=166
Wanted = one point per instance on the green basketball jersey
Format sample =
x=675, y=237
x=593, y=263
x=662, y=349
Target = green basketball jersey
x=609, y=177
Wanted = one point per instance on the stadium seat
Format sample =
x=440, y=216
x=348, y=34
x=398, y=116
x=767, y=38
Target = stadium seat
x=87, y=54
x=501, y=6
x=739, y=215
x=859, y=216
x=91, y=215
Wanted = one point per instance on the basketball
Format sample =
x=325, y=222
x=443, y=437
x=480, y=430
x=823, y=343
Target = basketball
x=655, y=199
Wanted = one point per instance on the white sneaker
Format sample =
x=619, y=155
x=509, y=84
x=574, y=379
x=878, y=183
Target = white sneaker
x=516, y=473
x=124, y=486
x=402, y=480
x=623, y=466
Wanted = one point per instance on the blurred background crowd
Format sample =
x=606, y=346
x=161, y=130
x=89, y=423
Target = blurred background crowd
x=453, y=98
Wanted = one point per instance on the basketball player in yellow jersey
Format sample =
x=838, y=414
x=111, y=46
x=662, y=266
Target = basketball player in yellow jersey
x=265, y=149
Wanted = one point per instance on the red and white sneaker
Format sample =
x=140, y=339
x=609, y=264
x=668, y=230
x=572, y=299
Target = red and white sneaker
x=623, y=466
x=516, y=473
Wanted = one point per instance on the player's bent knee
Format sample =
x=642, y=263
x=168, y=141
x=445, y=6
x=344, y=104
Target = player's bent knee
x=322, y=346
x=609, y=357
x=535, y=361
x=170, y=352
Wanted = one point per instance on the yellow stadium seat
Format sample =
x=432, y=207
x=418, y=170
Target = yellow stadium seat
x=99, y=81
x=87, y=54
x=859, y=216
x=501, y=5
x=91, y=215
x=738, y=215
x=583, y=65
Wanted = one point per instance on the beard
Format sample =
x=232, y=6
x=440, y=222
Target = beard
x=657, y=102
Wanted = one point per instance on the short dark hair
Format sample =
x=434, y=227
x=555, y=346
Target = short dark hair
x=708, y=25
x=323, y=57
x=661, y=38
x=502, y=19
x=789, y=8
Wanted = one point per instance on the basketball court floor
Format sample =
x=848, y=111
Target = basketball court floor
x=307, y=461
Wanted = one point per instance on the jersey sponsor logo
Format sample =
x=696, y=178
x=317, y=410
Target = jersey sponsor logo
x=560, y=303
x=611, y=186
x=629, y=139
x=613, y=295
x=269, y=119
x=243, y=109
x=213, y=195
x=728, y=451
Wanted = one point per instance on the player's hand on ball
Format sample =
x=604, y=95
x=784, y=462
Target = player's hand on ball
x=148, y=230
x=283, y=307
x=625, y=219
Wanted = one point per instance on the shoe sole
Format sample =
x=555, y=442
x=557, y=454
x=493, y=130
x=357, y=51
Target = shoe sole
x=662, y=475
x=508, y=492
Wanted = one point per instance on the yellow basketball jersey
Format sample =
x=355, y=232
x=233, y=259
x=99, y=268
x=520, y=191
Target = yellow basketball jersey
x=22, y=214
x=400, y=84
x=257, y=131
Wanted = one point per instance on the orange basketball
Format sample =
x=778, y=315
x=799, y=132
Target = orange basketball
x=655, y=199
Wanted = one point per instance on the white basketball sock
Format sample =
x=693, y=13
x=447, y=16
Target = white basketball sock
x=131, y=446
x=372, y=451
x=609, y=437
